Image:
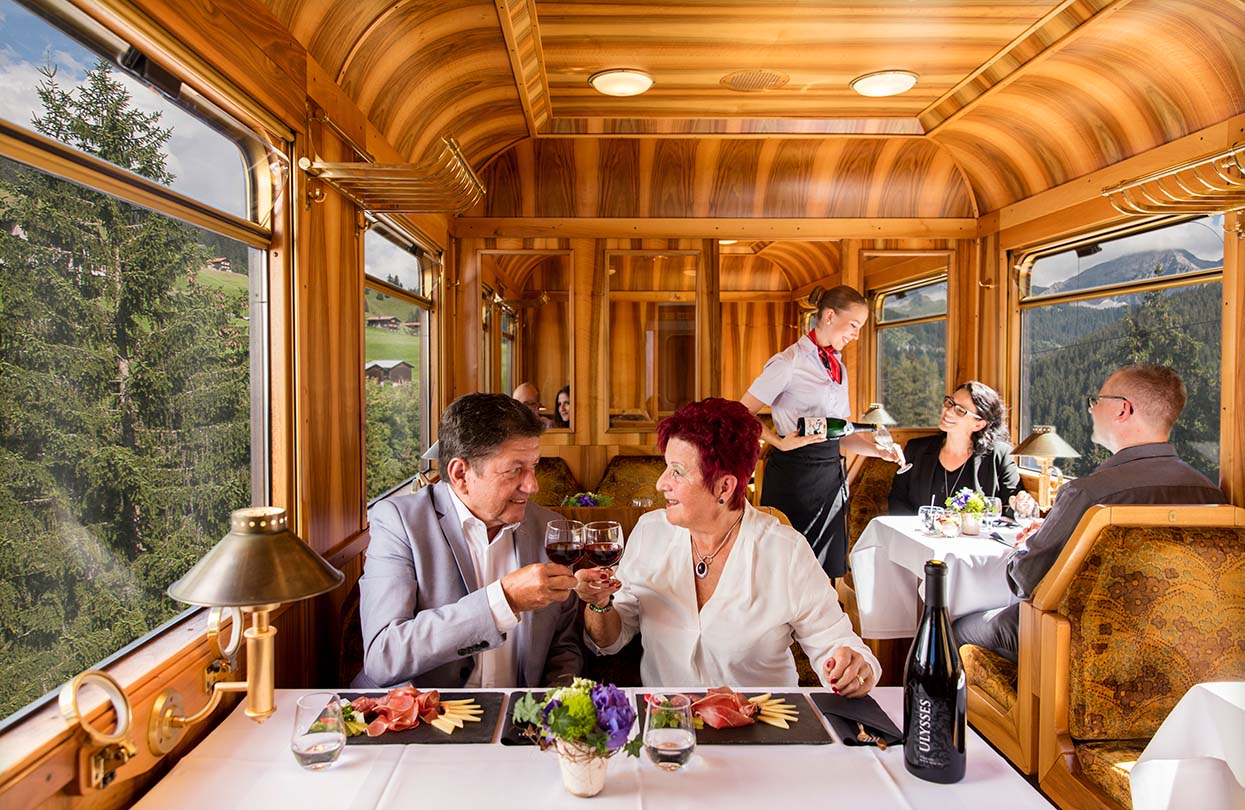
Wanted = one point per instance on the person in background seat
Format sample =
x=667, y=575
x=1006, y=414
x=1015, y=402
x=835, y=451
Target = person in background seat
x=529, y=395
x=1133, y=413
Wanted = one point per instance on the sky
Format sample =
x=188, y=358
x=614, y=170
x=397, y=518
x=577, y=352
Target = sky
x=206, y=165
x=1201, y=237
x=382, y=259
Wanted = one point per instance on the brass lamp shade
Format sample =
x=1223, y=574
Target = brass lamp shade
x=1044, y=442
x=875, y=414
x=260, y=562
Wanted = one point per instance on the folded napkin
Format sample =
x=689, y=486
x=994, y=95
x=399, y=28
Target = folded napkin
x=844, y=713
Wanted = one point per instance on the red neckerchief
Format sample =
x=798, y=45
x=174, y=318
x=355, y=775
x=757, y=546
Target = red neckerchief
x=833, y=367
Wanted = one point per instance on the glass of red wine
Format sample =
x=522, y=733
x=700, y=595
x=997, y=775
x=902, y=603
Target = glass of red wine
x=603, y=544
x=564, y=542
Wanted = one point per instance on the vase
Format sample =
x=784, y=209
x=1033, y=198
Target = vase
x=970, y=523
x=583, y=769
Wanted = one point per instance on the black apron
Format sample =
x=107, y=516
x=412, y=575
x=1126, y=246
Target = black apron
x=809, y=486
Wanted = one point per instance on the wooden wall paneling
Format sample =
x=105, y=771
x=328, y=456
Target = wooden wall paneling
x=964, y=300
x=802, y=229
x=708, y=323
x=853, y=275
x=1232, y=388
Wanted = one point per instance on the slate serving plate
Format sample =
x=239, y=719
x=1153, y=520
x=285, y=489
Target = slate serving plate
x=423, y=734
x=807, y=731
x=512, y=733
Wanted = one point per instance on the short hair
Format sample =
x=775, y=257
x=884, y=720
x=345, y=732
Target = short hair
x=840, y=299
x=475, y=425
x=727, y=436
x=1156, y=391
x=989, y=406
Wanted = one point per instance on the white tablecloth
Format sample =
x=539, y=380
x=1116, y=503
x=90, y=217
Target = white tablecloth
x=245, y=765
x=888, y=568
x=1197, y=758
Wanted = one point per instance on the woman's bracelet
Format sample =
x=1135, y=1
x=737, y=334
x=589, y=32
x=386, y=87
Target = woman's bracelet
x=608, y=606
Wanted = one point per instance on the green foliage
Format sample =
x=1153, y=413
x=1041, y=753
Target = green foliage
x=124, y=399
x=394, y=434
x=912, y=363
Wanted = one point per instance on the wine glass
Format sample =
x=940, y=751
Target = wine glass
x=669, y=736
x=603, y=544
x=564, y=542
x=319, y=733
x=994, y=511
x=883, y=439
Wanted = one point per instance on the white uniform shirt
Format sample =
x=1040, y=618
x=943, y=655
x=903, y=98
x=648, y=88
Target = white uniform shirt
x=771, y=587
x=794, y=383
x=499, y=666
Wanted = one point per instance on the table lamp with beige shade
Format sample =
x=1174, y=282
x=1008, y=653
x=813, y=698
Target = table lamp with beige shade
x=1045, y=445
x=876, y=414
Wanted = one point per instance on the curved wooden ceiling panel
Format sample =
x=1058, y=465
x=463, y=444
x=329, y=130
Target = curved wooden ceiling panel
x=1152, y=73
x=644, y=177
x=805, y=263
x=750, y=272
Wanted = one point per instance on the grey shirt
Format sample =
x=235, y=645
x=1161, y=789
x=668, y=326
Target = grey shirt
x=1145, y=473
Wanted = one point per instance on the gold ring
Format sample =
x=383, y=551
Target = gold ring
x=860, y=679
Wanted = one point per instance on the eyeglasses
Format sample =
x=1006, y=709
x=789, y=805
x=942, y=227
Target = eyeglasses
x=949, y=404
x=1094, y=399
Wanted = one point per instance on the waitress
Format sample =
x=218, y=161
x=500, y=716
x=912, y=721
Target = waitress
x=804, y=475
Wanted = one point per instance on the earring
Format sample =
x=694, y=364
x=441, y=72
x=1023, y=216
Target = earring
x=721, y=500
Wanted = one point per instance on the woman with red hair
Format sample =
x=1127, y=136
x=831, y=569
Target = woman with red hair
x=717, y=588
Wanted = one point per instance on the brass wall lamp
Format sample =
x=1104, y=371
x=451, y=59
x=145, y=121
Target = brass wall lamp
x=256, y=568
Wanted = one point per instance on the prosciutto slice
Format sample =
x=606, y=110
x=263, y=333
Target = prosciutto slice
x=400, y=709
x=722, y=707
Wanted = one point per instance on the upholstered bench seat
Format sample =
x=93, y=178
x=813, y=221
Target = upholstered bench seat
x=556, y=481
x=992, y=673
x=1107, y=764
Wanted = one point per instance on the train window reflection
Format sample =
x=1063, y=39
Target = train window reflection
x=1078, y=329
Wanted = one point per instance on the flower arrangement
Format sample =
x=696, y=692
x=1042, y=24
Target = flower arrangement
x=587, y=499
x=595, y=718
x=967, y=500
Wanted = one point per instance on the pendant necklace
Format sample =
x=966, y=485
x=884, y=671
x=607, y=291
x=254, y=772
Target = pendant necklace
x=702, y=567
x=946, y=490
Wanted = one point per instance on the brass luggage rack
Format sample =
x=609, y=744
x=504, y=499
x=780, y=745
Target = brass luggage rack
x=1207, y=185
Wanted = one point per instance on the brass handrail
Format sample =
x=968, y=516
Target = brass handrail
x=1209, y=184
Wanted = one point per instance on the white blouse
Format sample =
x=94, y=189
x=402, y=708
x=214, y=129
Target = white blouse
x=771, y=588
x=794, y=383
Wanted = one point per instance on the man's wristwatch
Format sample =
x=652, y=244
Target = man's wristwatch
x=608, y=606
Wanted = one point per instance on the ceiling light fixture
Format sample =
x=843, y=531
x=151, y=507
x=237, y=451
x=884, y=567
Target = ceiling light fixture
x=728, y=241
x=620, y=82
x=884, y=83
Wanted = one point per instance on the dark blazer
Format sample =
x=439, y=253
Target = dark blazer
x=422, y=620
x=993, y=472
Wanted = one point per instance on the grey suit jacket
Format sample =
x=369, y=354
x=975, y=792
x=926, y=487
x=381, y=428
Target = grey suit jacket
x=423, y=618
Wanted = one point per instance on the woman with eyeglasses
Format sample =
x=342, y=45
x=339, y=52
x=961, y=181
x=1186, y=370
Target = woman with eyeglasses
x=971, y=452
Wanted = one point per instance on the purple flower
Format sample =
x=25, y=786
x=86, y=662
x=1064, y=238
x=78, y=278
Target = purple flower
x=614, y=713
x=586, y=500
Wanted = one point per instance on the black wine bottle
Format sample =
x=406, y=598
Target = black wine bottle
x=829, y=426
x=935, y=696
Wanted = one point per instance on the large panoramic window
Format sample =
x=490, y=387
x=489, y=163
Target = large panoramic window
x=912, y=353
x=132, y=408
x=1148, y=297
x=395, y=340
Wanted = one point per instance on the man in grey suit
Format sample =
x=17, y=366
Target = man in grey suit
x=456, y=590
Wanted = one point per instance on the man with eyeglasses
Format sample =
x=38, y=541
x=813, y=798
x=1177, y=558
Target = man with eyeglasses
x=1132, y=414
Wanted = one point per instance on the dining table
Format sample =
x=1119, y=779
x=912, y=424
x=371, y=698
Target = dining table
x=242, y=764
x=888, y=571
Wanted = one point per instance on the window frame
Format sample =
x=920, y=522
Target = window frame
x=1022, y=261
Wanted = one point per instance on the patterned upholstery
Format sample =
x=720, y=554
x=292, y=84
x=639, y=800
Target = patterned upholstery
x=992, y=673
x=555, y=480
x=1153, y=610
x=629, y=477
x=1107, y=764
x=870, y=490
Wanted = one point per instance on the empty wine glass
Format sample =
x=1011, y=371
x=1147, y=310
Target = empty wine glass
x=883, y=439
x=564, y=541
x=669, y=736
x=603, y=544
x=319, y=732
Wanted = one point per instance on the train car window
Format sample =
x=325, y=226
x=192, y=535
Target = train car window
x=397, y=397
x=911, y=352
x=652, y=335
x=1153, y=296
x=133, y=347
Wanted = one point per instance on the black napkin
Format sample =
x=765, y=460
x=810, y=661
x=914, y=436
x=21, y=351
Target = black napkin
x=844, y=713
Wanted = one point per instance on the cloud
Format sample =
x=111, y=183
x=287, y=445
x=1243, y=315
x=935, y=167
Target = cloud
x=383, y=259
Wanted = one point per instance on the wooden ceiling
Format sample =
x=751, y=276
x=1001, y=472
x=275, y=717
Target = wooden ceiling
x=1018, y=95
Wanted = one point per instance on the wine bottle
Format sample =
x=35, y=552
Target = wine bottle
x=829, y=426
x=935, y=695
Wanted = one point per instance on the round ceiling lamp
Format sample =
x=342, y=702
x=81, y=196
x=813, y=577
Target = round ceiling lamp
x=884, y=83
x=621, y=82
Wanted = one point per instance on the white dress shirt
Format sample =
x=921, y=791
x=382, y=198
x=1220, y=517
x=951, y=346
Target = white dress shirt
x=498, y=667
x=771, y=588
x=794, y=383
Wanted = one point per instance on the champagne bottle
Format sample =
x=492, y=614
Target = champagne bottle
x=935, y=695
x=829, y=427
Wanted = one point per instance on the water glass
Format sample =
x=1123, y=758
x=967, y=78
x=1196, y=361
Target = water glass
x=669, y=735
x=929, y=516
x=994, y=511
x=319, y=732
